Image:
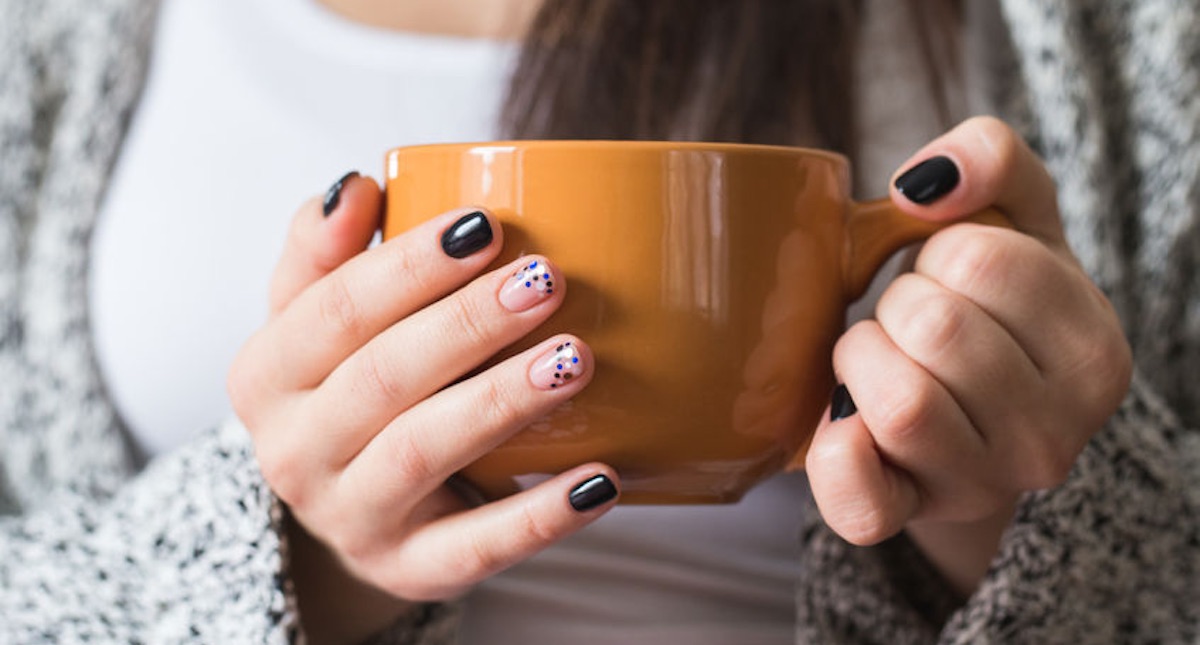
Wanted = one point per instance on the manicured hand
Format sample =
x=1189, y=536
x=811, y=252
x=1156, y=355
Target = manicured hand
x=352, y=393
x=985, y=371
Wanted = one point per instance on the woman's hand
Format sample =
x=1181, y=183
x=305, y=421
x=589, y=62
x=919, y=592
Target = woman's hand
x=985, y=372
x=352, y=394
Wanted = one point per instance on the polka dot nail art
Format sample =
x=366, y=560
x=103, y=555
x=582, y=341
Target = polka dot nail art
x=558, y=367
x=530, y=284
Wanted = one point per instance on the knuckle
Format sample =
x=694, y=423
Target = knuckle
x=471, y=325
x=380, y=375
x=903, y=412
x=1095, y=365
x=1102, y=371
x=931, y=325
x=338, y=310
x=273, y=469
x=969, y=257
x=540, y=531
x=847, y=346
x=413, y=463
x=406, y=267
x=279, y=469
x=250, y=394
x=497, y=402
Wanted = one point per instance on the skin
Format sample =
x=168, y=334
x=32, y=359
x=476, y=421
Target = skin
x=983, y=375
x=348, y=393
x=494, y=19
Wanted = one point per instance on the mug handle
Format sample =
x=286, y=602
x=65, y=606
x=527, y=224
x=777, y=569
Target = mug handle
x=877, y=229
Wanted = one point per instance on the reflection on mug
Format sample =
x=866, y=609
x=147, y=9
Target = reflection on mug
x=695, y=244
x=779, y=372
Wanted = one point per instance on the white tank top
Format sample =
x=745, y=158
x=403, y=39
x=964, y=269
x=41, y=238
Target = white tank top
x=252, y=106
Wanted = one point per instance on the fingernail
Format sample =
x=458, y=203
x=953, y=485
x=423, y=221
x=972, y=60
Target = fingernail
x=469, y=234
x=592, y=492
x=333, y=196
x=928, y=180
x=842, y=405
x=529, y=285
x=557, y=367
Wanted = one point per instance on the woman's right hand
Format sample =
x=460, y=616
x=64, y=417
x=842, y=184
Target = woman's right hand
x=351, y=392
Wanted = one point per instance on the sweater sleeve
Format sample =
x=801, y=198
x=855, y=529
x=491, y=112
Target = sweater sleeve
x=191, y=550
x=1111, y=556
x=1108, y=95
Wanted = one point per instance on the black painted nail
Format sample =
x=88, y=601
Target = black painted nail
x=593, y=492
x=469, y=234
x=842, y=405
x=928, y=180
x=334, y=194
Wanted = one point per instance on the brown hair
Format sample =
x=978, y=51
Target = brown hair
x=758, y=71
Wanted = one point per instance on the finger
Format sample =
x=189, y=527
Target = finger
x=990, y=379
x=916, y=424
x=962, y=348
x=446, y=557
x=422, y=448
x=324, y=234
x=860, y=495
x=1051, y=309
x=433, y=347
x=351, y=305
x=982, y=162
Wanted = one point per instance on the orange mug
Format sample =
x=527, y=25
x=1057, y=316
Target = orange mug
x=710, y=280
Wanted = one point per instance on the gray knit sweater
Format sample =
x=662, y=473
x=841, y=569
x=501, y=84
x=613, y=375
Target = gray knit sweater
x=189, y=549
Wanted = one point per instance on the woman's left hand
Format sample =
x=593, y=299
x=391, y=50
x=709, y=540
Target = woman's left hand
x=985, y=371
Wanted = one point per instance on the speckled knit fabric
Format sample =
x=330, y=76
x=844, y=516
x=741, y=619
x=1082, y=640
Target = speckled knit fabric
x=1110, y=98
x=189, y=549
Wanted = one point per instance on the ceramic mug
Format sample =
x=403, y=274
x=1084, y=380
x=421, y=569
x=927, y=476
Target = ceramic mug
x=710, y=280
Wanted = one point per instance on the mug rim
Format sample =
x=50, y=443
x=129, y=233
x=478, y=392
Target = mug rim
x=610, y=144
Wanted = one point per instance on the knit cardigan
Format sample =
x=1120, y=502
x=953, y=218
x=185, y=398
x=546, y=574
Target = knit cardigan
x=94, y=546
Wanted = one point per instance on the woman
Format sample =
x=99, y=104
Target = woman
x=193, y=546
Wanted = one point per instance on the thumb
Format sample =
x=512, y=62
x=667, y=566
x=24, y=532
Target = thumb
x=447, y=556
x=980, y=163
x=325, y=233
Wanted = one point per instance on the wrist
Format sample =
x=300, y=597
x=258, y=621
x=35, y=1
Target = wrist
x=335, y=606
x=962, y=552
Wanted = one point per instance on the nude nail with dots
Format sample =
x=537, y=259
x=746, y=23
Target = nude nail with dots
x=532, y=283
x=558, y=367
